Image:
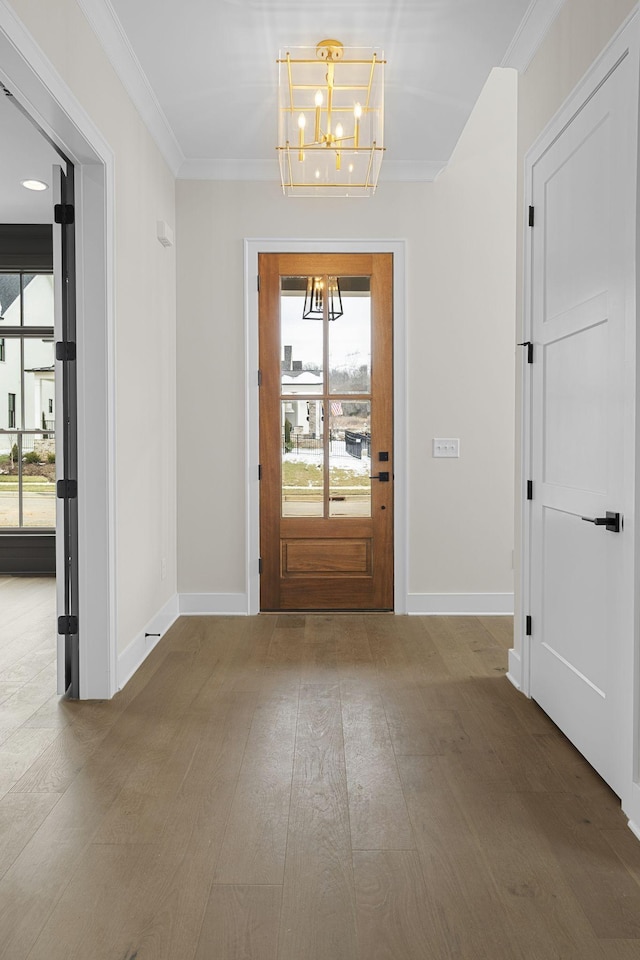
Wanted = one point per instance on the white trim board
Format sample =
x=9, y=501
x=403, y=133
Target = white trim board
x=460, y=604
x=252, y=247
x=115, y=43
x=134, y=655
x=40, y=90
x=535, y=25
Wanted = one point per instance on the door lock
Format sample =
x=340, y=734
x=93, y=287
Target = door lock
x=611, y=521
x=383, y=476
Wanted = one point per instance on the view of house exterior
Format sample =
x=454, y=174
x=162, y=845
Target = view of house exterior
x=27, y=403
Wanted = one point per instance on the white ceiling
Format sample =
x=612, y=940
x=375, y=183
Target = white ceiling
x=26, y=155
x=203, y=72
x=203, y=76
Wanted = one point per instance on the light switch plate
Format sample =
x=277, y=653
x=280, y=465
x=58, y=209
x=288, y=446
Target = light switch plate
x=446, y=447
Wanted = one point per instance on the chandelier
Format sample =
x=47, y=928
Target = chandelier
x=331, y=120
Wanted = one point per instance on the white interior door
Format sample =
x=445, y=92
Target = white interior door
x=582, y=333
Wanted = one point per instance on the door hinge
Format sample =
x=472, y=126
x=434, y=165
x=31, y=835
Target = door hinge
x=531, y=216
x=63, y=213
x=259, y=471
x=529, y=489
x=67, y=625
x=67, y=489
x=259, y=378
x=259, y=565
x=529, y=345
x=527, y=626
x=65, y=350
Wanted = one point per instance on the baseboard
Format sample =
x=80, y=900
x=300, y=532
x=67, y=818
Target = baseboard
x=139, y=649
x=635, y=829
x=460, y=604
x=514, y=674
x=215, y=604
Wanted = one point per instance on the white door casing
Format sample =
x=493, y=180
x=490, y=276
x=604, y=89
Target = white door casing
x=580, y=430
x=252, y=247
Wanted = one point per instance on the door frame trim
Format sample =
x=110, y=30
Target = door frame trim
x=252, y=247
x=46, y=98
x=625, y=43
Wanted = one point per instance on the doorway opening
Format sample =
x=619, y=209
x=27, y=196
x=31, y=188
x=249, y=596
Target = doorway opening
x=46, y=102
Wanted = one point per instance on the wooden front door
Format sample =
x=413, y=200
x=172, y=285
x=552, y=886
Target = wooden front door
x=326, y=431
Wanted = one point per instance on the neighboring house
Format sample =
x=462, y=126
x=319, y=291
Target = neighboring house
x=39, y=375
x=305, y=416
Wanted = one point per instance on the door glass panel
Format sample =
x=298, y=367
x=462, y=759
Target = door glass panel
x=9, y=480
x=10, y=299
x=350, y=338
x=38, y=480
x=350, y=459
x=302, y=458
x=37, y=293
x=39, y=385
x=301, y=341
x=27, y=433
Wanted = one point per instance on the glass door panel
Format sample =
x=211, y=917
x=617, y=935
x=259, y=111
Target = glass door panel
x=325, y=359
x=301, y=341
x=350, y=459
x=302, y=458
x=9, y=480
x=350, y=338
x=38, y=302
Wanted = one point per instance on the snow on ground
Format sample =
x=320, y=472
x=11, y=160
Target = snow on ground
x=340, y=460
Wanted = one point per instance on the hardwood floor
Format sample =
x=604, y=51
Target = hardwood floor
x=302, y=788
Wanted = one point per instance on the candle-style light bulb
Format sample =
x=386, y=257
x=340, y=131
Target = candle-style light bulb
x=318, y=102
x=357, y=113
x=302, y=122
x=339, y=131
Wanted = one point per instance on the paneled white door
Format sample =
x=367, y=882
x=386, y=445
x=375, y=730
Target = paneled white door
x=581, y=317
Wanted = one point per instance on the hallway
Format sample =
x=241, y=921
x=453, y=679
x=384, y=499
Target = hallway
x=309, y=788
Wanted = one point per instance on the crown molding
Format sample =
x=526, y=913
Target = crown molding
x=411, y=171
x=407, y=171
x=533, y=29
x=229, y=170
x=110, y=32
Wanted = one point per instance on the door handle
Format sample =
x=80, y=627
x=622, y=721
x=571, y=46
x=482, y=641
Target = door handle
x=611, y=521
x=383, y=476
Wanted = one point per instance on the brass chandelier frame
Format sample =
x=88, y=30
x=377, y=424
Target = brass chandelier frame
x=326, y=113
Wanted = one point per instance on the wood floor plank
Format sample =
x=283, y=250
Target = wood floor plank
x=20, y=817
x=241, y=922
x=391, y=896
x=254, y=846
x=609, y=897
x=377, y=809
x=318, y=906
x=547, y=918
x=29, y=891
x=463, y=904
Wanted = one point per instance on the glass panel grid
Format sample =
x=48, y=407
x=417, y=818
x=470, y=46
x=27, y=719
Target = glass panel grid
x=27, y=403
x=325, y=361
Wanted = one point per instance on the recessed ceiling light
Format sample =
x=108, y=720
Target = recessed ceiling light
x=35, y=185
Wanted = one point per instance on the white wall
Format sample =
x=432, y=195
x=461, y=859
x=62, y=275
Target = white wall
x=579, y=34
x=460, y=235
x=144, y=314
